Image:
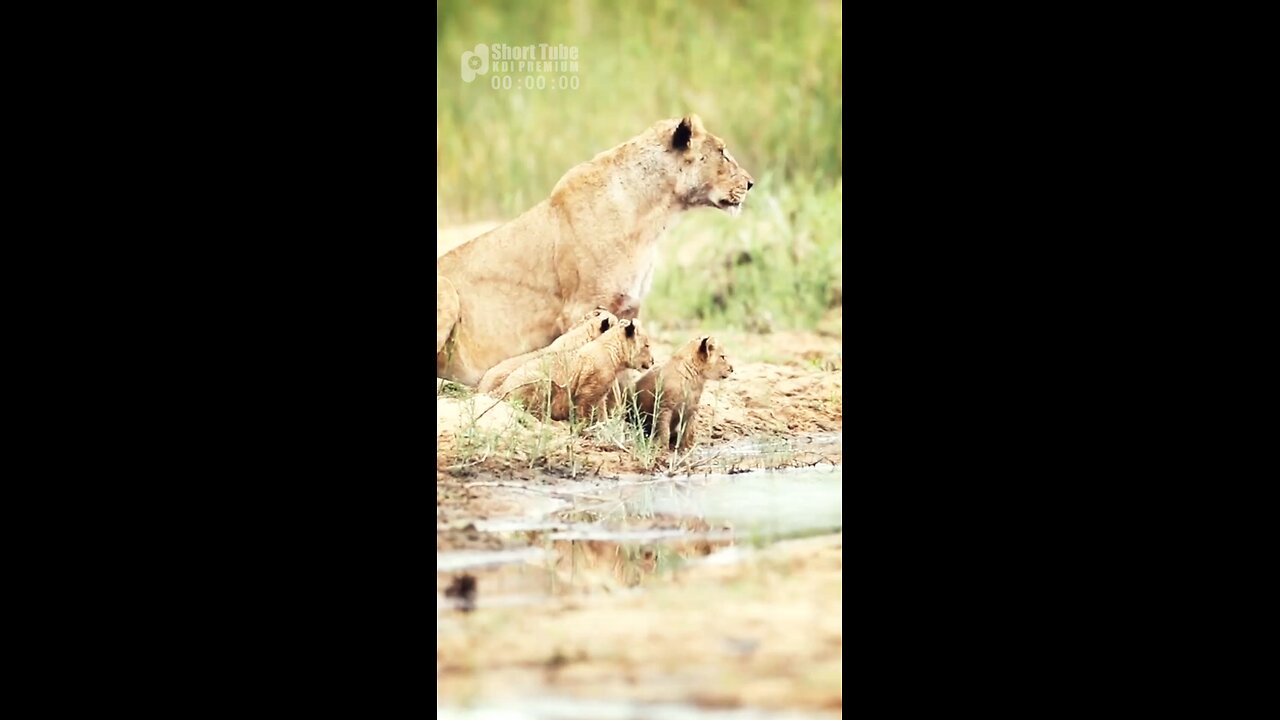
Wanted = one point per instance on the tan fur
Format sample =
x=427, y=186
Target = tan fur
x=596, y=322
x=446, y=305
x=676, y=389
x=579, y=379
x=592, y=243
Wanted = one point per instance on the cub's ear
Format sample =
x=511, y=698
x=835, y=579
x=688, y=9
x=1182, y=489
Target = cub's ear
x=702, y=349
x=604, y=324
x=631, y=329
x=690, y=127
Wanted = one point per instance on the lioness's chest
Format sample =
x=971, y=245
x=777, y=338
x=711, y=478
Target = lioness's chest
x=619, y=286
x=636, y=282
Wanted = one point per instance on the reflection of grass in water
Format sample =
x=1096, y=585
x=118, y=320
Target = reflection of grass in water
x=633, y=562
x=602, y=563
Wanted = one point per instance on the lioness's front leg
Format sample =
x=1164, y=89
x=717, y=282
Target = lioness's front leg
x=447, y=310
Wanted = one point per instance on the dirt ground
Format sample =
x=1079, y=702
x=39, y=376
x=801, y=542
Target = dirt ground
x=765, y=632
x=784, y=385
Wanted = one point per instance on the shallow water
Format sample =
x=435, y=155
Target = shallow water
x=614, y=536
x=587, y=540
x=767, y=503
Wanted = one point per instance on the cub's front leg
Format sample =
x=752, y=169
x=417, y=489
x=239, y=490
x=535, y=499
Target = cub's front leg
x=689, y=429
x=662, y=428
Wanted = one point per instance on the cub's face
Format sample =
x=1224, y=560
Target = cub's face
x=639, y=357
x=715, y=364
x=707, y=175
x=644, y=359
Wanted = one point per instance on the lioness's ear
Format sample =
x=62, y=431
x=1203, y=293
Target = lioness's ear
x=631, y=329
x=689, y=128
x=604, y=324
x=702, y=349
x=680, y=141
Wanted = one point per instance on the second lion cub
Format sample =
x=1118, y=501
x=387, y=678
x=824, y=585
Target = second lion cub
x=592, y=326
x=578, y=379
x=668, y=397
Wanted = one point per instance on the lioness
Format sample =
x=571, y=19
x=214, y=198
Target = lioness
x=592, y=243
x=590, y=328
x=668, y=397
x=579, y=379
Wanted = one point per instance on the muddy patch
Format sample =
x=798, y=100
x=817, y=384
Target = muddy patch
x=660, y=595
x=763, y=632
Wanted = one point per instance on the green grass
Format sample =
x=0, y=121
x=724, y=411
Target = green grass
x=451, y=389
x=766, y=77
x=528, y=441
x=776, y=266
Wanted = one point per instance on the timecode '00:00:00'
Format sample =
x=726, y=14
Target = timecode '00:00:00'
x=529, y=82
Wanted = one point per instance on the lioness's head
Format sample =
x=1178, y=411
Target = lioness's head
x=711, y=360
x=706, y=174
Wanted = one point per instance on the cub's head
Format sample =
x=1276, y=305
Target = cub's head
x=637, y=353
x=711, y=360
x=597, y=322
x=706, y=174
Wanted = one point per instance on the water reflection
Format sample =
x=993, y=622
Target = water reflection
x=623, y=535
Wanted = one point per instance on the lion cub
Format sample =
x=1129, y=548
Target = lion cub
x=592, y=325
x=578, y=380
x=676, y=388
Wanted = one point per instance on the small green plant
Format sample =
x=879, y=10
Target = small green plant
x=623, y=431
x=451, y=389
